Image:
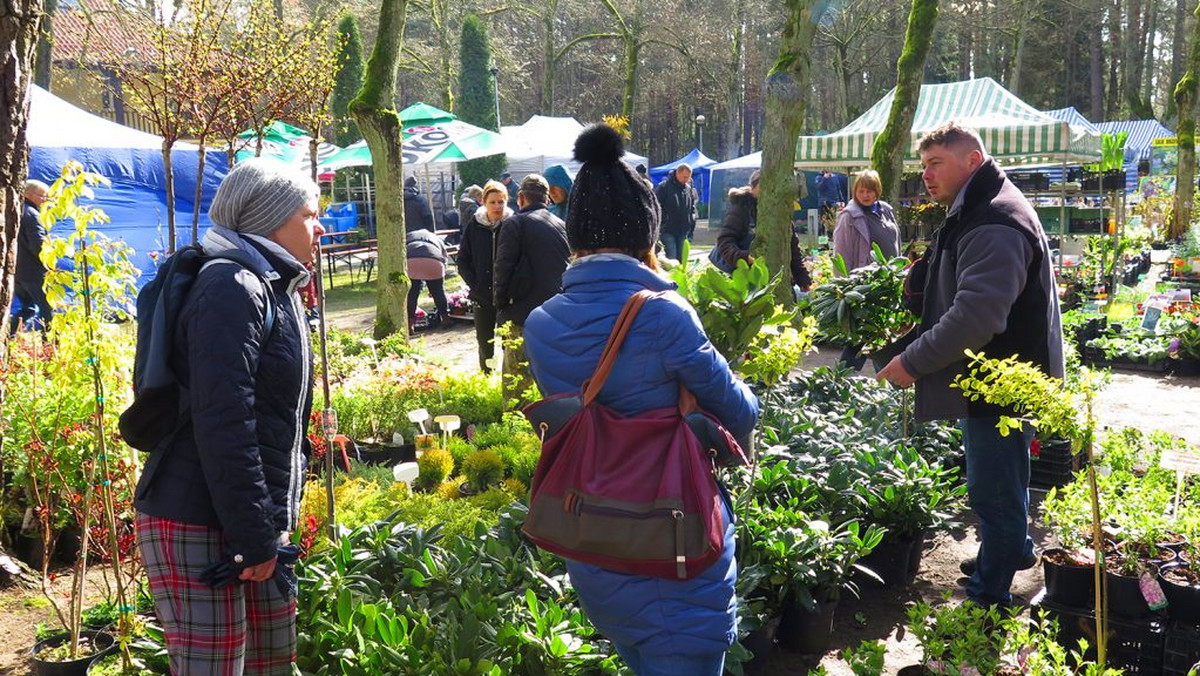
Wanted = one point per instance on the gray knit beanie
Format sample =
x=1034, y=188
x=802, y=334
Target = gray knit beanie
x=259, y=195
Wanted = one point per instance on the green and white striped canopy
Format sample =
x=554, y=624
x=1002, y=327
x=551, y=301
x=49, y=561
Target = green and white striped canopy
x=1014, y=132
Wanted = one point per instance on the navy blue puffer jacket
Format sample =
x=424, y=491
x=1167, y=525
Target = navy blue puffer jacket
x=238, y=464
x=665, y=347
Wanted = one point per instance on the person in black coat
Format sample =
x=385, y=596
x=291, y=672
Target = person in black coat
x=31, y=274
x=738, y=230
x=225, y=487
x=476, y=257
x=417, y=214
x=531, y=255
x=677, y=199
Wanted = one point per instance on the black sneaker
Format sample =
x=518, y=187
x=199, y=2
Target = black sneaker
x=968, y=565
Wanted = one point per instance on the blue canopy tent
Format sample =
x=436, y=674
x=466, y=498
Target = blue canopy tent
x=136, y=202
x=700, y=165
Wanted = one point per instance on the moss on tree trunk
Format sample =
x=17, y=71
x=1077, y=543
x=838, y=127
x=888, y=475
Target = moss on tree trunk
x=1185, y=103
x=787, y=83
x=374, y=111
x=887, y=157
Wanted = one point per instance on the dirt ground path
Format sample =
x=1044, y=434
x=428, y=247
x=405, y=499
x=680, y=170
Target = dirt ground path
x=1131, y=399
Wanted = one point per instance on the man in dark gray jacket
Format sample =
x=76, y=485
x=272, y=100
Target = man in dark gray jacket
x=989, y=288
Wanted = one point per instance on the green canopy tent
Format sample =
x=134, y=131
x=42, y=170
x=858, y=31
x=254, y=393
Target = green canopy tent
x=431, y=136
x=285, y=143
x=1015, y=133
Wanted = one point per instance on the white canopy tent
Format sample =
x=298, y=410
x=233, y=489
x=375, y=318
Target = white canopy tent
x=544, y=141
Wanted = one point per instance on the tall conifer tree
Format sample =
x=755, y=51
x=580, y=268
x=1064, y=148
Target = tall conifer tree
x=477, y=97
x=349, y=79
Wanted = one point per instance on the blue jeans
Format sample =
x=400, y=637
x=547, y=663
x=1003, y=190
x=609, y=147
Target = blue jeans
x=998, y=492
x=672, y=244
x=649, y=664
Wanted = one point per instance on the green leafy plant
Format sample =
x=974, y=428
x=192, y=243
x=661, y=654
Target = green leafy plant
x=864, y=306
x=955, y=637
x=734, y=309
x=483, y=469
x=866, y=659
x=435, y=466
x=1031, y=647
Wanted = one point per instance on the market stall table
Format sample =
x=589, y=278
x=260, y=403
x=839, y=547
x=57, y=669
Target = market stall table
x=361, y=253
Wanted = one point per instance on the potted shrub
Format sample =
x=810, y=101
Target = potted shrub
x=1180, y=583
x=957, y=638
x=1067, y=568
x=902, y=492
x=435, y=466
x=864, y=306
x=811, y=562
x=483, y=469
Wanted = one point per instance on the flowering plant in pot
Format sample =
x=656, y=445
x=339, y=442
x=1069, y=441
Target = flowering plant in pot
x=958, y=638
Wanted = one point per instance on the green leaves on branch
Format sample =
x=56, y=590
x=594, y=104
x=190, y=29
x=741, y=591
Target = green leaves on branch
x=742, y=319
x=864, y=306
x=1046, y=403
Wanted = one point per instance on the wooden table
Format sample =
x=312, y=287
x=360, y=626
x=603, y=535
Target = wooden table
x=363, y=253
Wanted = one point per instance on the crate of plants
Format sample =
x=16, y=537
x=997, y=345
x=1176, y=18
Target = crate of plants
x=1134, y=645
x=1133, y=349
x=1053, y=462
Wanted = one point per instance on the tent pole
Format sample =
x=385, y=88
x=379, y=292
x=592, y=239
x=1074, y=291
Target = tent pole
x=1062, y=215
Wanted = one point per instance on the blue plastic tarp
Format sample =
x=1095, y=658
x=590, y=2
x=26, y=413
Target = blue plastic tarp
x=136, y=202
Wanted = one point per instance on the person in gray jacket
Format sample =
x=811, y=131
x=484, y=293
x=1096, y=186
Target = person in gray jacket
x=989, y=288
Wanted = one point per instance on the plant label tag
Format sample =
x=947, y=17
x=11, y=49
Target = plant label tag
x=1152, y=592
x=1180, y=460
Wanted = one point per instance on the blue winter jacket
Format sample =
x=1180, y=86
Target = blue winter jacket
x=557, y=175
x=665, y=347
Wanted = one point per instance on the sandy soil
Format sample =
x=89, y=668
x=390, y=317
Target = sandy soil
x=1132, y=399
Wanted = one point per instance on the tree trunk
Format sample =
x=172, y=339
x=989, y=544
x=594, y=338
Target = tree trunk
x=1185, y=102
x=1096, y=71
x=1148, y=69
x=170, y=188
x=632, y=48
x=203, y=155
x=1018, y=61
x=43, y=71
x=20, y=21
x=1178, y=54
x=787, y=88
x=374, y=111
x=1116, y=94
x=546, y=106
x=1131, y=63
x=887, y=157
x=737, y=78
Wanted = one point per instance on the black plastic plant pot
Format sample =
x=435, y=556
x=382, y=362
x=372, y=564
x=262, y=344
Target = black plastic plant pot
x=760, y=642
x=892, y=561
x=1068, y=584
x=103, y=642
x=914, y=557
x=1125, y=596
x=1183, y=597
x=807, y=631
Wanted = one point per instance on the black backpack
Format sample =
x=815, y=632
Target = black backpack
x=159, y=406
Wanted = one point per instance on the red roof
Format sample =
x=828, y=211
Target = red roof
x=96, y=31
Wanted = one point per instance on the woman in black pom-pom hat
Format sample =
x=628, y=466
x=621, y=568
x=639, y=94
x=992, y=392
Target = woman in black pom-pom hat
x=659, y=626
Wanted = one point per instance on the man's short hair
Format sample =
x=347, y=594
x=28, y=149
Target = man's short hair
x=535, y=189
x=33, y=185
x=952, y=135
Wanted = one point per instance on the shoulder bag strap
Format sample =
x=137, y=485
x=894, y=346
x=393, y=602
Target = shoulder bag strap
x=592, y=386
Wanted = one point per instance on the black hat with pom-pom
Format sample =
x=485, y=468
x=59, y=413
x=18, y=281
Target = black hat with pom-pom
x=611, y=206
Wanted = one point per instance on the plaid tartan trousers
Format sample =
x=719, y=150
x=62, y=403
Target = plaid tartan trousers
x=239, y=630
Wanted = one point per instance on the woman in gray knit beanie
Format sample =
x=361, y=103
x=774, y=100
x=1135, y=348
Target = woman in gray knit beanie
x=267, y=198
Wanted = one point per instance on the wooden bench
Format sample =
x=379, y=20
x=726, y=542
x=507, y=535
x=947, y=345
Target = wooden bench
x=361, y=253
